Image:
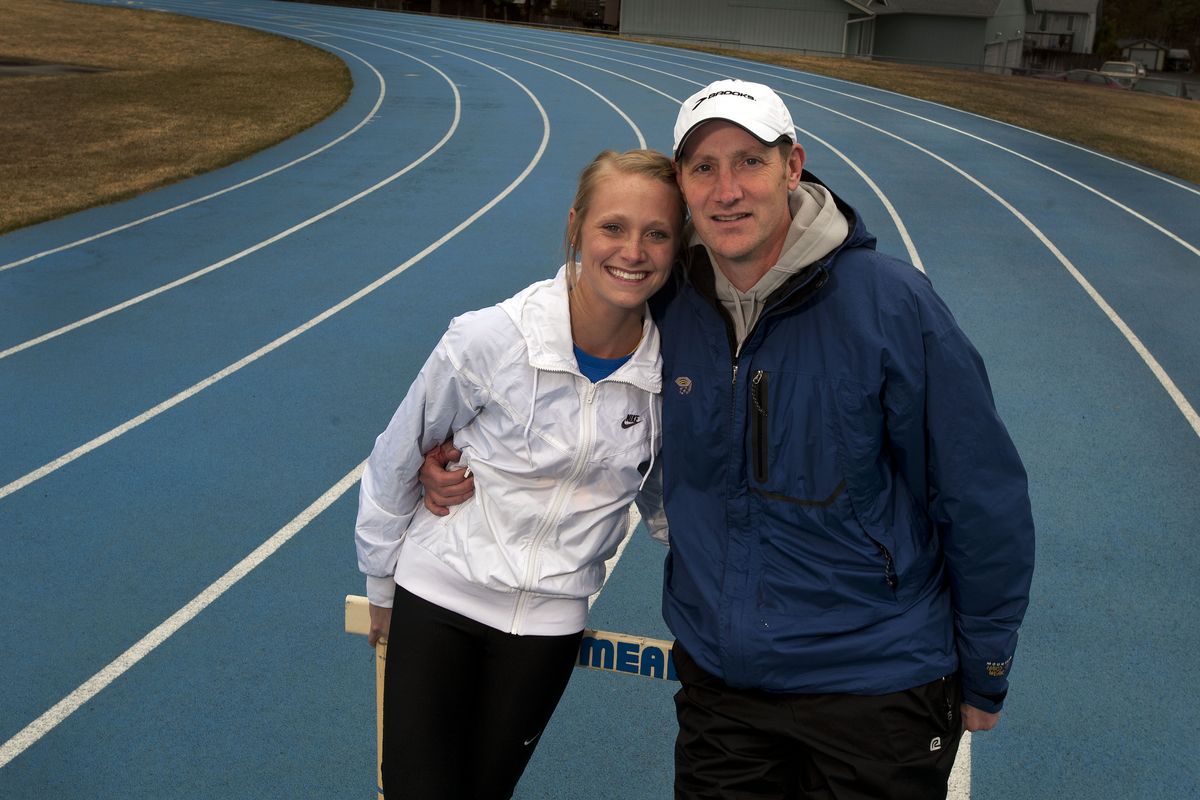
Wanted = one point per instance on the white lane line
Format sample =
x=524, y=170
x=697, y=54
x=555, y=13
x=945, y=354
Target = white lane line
x=746, y=68
x=166, y=287
x=901, y=228
x=1087, y=187
x=641, y=49
x=1135, y=167
x=327, y=24
x=67, y=706
x=159, y=214
x=959, y=785
x=637, y=131
x=620, y=112
x=1181, y=402
x=196, y=388
x=913, y=256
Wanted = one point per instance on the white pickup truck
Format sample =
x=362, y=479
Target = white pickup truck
x=1127, y=73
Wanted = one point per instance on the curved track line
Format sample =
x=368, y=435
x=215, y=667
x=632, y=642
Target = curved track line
x=227, y=189
x=58, y=713
x=398, y=30
x=254, y=248
x=280, y=341
x=640, y=48
x=1132, y=212
x=64, y=708
x=636, y=130
x=901, y=228
x=1181, y=402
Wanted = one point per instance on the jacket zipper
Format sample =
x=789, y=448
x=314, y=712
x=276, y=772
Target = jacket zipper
x=733, y=397
x=564, y=490
x=758, y=424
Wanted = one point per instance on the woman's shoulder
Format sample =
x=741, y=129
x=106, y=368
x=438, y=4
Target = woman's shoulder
x=485, y=336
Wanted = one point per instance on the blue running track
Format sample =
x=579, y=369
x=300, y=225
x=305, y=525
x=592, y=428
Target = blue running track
x=189, y=381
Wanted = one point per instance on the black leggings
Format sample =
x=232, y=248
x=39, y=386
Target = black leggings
x=464, y=704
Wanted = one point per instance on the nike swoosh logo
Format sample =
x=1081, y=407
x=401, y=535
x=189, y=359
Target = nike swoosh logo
x=630, y=421
x=531, y=741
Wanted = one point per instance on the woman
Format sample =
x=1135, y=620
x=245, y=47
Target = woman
x=553, y=398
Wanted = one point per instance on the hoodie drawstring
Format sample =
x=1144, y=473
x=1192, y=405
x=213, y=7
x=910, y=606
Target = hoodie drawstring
x=653, y=440
x=529, y=422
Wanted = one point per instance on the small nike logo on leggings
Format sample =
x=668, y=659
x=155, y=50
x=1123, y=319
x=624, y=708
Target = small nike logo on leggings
x=534, y=739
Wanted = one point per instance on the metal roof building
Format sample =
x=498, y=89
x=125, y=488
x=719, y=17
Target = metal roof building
x=825, y=27
x=989, y=34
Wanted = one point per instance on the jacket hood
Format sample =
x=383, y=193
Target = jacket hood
x=542, y=314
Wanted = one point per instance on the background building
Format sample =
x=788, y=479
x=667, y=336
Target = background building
x=1058, y=32
x=824, y=27
x=1150, y=54
x=993, y=35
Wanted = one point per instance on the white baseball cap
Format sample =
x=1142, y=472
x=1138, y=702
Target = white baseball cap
x=752, y=106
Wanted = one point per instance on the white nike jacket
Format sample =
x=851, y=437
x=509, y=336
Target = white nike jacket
x=557, y=460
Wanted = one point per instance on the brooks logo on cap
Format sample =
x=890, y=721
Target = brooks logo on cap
x=716, y=94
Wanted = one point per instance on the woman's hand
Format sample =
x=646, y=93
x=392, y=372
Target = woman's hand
x=445, y=488
x=381, y=623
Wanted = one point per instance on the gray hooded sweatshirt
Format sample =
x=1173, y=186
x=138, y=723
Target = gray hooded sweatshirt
x=817, y=228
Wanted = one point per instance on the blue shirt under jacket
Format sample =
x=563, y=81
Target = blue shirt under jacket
x=847, y=511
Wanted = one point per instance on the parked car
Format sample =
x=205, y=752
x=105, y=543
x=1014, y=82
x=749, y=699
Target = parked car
x=1127, y=72
x=1164, y=86
x=1083, y=76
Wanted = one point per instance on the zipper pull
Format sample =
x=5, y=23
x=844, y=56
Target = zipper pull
x=756, y=393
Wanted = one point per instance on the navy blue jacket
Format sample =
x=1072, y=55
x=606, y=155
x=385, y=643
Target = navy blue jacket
x=847, y=511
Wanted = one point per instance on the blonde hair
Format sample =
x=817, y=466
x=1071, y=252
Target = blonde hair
x=647, y=163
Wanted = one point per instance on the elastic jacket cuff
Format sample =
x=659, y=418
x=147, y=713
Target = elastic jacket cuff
x=988, y=702
x=380, y=591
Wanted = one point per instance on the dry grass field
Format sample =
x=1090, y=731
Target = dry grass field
x=174, y=97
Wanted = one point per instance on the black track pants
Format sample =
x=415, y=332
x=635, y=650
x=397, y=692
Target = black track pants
x=737, y=744
x=464, y=704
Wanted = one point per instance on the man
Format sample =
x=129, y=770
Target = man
x=850, y=530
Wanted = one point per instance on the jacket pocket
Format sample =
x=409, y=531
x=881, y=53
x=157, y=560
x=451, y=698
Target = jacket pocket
x=886, y=560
